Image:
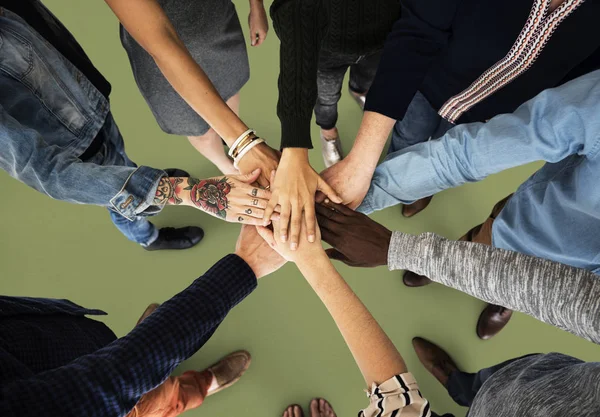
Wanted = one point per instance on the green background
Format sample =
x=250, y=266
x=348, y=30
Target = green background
x=55, y=249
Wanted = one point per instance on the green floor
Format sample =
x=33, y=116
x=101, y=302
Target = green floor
x=54, y=249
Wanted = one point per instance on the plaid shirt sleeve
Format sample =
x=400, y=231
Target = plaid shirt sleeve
x=110, y=381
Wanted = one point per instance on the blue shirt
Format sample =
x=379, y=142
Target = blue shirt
x=555, y=214
x=87, y=371
x=50, y=114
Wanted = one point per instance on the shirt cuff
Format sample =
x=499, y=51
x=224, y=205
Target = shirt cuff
x=295, y=132
x=399, y=393
x=232, y=276
x=404, y=252
x=137, y=194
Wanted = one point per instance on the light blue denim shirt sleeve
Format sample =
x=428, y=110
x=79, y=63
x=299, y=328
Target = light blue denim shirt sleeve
x=555, y=124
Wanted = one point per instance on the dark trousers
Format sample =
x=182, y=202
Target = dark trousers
x=421, y=122
x=463, y=386
x=330, y=78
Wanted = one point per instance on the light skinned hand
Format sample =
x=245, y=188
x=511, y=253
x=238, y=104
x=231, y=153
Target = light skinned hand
x=294, y=187
x=349, y=179
x=305, y=251
x=258, y=22
x=261, y=156
x=231, y=198
x=257, y=253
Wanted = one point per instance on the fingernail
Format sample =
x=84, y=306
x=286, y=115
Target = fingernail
x=311, y=238
x=327, y=201
x=294, y=246
x=283, y=238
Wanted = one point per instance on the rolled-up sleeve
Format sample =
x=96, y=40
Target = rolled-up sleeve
x=399, y=396
x=137, y=195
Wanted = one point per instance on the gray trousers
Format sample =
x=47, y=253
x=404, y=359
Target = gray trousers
x=330, y=78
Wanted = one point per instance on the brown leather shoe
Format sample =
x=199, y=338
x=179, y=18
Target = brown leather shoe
x=409, y=210
x=230, y=369
x=414, y=280
x=492, y=319
x=149, y=310
x=434, y=359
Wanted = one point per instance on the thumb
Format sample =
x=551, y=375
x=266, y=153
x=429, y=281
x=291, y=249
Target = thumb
x=337, y=255
x=251, y=177
x=267, y=235
x=328, y=191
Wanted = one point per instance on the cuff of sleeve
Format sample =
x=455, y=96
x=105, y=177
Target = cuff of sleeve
x=404, y=252
x=295, y=132
x=366, y=207
x=233, y=276
x=137, y=194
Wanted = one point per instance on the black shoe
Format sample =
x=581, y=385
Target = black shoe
x=175, y=172
x=181, y=238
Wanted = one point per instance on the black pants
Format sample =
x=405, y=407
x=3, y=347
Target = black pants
x=330, y=77
x=463, y=386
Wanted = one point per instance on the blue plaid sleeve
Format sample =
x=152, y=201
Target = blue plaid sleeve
x=110, y=381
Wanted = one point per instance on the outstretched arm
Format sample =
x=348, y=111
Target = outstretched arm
x=379, y=361
x=534, y=286
x=230, y=198
x=147, y=22
x=553, y=125
x=110, y=381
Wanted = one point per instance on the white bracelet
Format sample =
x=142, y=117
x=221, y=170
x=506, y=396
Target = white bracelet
x=246, y=150
x=238, y=140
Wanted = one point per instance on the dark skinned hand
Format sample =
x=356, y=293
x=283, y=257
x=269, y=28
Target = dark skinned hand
x=357, y=240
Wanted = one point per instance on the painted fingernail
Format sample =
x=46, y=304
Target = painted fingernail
x=311, y=238
x=294, y=246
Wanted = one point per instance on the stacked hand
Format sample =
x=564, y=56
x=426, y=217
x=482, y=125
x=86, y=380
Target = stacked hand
x=264, y=157
x=349, y=179
x=257, y=253
x=357, y=240
x=306, y=252
x=294, y=187
x=231, y=198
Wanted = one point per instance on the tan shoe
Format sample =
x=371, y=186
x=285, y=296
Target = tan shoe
x=229, y=370
x=149, y=310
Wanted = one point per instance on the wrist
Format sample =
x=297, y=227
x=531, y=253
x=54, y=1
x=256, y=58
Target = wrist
x=296, y=154
x=251, y=262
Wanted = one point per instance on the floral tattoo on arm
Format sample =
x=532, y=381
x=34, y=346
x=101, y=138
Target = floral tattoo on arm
x=210, y=195
x=165, y=192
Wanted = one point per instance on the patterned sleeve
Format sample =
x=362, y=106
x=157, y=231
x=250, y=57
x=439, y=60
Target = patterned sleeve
x=399, y=396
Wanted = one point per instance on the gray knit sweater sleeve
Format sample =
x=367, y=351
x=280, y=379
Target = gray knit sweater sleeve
x=557, y=294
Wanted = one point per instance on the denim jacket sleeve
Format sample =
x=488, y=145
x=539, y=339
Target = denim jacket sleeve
x=61, y=175
x=110, y=381
x=553, y=125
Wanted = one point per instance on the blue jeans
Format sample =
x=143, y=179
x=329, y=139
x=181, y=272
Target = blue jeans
x=112, y=152
x=420, y=123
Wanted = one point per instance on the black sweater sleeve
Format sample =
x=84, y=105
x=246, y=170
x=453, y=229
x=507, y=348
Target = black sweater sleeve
x=301, y=26
x=410, y=49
